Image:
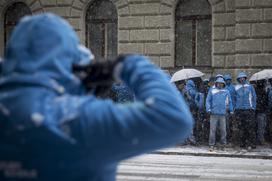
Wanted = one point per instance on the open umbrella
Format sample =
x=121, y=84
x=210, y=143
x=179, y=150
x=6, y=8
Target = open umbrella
x=264, y=74
x=184, y=74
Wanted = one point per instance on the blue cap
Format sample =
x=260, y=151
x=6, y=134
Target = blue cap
x=227, y=77
x=242, y=75
x=220, y=80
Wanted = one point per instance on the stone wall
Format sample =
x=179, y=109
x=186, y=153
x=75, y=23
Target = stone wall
x=242, y=36
x=146, y=26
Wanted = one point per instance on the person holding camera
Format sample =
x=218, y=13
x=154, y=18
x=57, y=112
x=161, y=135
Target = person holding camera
x=50, y=129
x=218, y=104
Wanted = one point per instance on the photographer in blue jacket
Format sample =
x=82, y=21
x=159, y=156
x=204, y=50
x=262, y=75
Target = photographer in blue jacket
x=50, y=129
x=218, y=104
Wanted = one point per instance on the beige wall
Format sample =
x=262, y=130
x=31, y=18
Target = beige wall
x=242, y=36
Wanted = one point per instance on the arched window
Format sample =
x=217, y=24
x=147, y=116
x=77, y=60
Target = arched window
x=193, y=33
x=12, y=16
x=101, y=28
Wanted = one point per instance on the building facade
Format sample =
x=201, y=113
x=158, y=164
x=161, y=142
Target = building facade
x=211, y=35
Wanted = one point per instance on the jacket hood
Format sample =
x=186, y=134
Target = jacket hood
x=42, y=49
x=190, y=84
x=241, y=74
x=219, y=75
x=227, y=77
x=220, y=80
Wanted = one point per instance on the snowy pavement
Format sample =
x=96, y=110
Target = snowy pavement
x=158, y=167
x=261, y=152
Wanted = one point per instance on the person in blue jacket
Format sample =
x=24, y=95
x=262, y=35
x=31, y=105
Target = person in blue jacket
x=245, y=106
x=50, y=129
x=218, y=103
x=269, y=116
x=230, y=123
x=195, y=102
x=230, y=87
x=192, y=91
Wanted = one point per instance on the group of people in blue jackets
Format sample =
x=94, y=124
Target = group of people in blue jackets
x=240, y=112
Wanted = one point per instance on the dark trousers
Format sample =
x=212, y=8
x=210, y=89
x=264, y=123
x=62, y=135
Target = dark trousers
x=247, y=127
x=269, y=127
x=229, y=127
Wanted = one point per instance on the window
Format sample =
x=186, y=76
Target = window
x=101, y=29
x=193, y=33
x=12, y=16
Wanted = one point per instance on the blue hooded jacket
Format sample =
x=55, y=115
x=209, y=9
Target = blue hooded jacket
x=191, y=92
x=51, y=130
x=230, y=88
x=245, y=95
x=195, y=99
x=219, y=101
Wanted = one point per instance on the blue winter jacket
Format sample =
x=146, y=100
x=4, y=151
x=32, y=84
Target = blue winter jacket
x=199, y=99
x=219, y=101
x=192, y=94
x=51, y=131
x=245, y=96
x=231, y=90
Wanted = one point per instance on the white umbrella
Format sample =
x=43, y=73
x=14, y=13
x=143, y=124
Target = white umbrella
x=264, y=74
x=184, y=74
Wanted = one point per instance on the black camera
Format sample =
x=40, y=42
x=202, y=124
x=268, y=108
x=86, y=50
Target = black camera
x=97, y=77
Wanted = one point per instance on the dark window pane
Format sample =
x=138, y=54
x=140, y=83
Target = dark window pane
x=96, y=39
x=101, y=22
x=111, y=29
x=12, y=16
x=204, y=44
x=184, y=43
x=193, y=33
